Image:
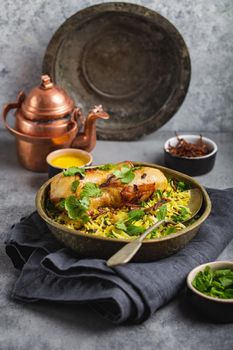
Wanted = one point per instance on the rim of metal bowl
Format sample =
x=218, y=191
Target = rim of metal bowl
x=147, y=15
x=199, y=221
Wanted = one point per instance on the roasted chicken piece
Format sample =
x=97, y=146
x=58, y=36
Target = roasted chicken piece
x=114, y=192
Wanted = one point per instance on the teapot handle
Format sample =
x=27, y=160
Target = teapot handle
x=77, y=117
x=9, y=106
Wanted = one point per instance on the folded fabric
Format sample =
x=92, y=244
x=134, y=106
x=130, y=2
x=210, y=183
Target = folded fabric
x=128, y=293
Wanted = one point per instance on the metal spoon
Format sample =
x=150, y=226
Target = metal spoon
x=126, y=253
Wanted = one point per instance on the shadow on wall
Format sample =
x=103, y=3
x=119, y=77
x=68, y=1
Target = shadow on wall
x=25, y=79
x=8, y=159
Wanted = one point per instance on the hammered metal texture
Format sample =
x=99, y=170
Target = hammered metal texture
x=126, y=57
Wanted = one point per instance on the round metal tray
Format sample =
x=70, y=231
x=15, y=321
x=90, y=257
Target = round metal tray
x=126, y=57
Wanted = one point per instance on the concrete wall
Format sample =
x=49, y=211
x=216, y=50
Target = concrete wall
x=207, y=27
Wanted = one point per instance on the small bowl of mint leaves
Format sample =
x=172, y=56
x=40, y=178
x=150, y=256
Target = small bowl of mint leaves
x=210, y=290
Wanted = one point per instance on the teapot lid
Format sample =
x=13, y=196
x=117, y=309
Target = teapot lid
x=47, y=101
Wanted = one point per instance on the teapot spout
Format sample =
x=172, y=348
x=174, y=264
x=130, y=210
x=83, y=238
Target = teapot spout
x=87, y=139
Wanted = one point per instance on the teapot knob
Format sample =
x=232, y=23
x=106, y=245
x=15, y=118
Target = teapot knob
x=46, y=82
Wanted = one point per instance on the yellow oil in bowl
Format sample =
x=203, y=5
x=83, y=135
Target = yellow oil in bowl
x=68, y=160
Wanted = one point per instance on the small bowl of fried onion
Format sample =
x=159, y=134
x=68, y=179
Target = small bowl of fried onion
x=193, y=155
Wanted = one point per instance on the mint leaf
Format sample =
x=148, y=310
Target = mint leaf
x=90, y=190
x=135, y=214
x=133, y=230
x=162, y=212
x=74, y=185
x=169, y=230
x=74, y=171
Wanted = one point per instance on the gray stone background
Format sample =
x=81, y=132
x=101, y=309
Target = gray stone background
x=26, y=28
x=206, y=26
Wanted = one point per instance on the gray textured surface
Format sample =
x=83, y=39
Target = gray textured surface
x=207, y=26
x=50, y=326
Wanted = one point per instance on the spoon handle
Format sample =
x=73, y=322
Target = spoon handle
x=126, y=253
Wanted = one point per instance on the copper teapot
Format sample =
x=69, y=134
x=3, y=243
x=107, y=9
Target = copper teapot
x=46, y=120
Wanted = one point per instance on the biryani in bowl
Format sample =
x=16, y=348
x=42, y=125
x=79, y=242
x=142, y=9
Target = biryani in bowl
x=116, y=202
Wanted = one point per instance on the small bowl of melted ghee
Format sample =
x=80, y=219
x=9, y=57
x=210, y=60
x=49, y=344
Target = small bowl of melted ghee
x=67, y=158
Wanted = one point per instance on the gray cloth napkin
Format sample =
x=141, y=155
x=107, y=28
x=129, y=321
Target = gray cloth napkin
x=129, y=293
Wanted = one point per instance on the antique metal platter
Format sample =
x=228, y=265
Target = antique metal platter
x=126, y=57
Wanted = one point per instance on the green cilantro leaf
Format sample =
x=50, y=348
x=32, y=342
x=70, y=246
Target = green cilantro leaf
x=135, y=214
x=74, y=185
x=128, y=177
x=90, y=190
x=126, y=174
x=75, y=209
x=74, y=171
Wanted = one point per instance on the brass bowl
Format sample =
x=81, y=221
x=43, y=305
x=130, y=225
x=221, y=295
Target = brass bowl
x=88, y=245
